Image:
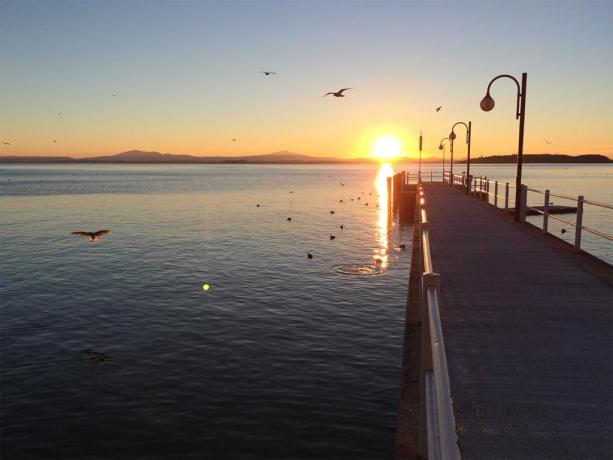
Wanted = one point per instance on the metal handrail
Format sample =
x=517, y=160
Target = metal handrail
x=481, y=185
x=439, y=438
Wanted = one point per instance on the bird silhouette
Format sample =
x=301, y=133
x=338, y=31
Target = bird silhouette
x=338, y=93
x=438, y=109
x=234, y=139
x=267, y=72
x=563, y=230
x=93, y=236
x=289, y=219
x=340, y=201
x=59, y=113
x=331, y=212
x=114, y=95
x=6, y=143
x=258, y=205
x=546, y=141
x=341, y=227
x=332, y=237
x=96, y=356
x=54, y=140
x=309, y=255
x=402, y=246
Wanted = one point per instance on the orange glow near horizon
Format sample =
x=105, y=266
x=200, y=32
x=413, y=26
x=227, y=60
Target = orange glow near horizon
x=386, y=148
x=383, y=222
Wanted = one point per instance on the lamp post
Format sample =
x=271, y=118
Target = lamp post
x=420, y=145
x=487, y=104
x=452, y=136
x=441, y=146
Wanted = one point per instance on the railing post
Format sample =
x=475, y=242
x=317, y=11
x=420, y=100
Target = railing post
x=506, y=197
x=487, y=190
x=579, y=223
x=496, y=194
x=430, y=176
x=469, y=181
x=546, y=212
x=523, y=203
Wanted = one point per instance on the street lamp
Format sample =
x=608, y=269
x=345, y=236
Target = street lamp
x=441, y=146
x=487, y=104
x=452, y=136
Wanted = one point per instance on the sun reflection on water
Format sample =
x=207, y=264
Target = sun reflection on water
x=384, y=223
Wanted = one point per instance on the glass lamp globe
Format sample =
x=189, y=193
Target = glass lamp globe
x=440, y=147
x=452, y=136
x=487, y=103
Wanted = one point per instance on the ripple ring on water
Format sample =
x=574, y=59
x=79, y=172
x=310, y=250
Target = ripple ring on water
x=359, y=269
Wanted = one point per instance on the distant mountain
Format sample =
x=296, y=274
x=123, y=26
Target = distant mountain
x=542, y=158
x=284, y=157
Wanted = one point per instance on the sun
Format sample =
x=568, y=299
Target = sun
x=386, y=148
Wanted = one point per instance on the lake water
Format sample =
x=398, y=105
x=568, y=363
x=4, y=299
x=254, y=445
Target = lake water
x=283, y=356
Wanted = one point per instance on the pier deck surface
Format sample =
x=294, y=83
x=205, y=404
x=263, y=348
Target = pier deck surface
x=527, y=333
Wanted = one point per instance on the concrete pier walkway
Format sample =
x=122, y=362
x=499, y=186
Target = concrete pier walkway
x=528, y=333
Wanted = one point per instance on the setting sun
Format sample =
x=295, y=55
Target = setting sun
x=386, y=148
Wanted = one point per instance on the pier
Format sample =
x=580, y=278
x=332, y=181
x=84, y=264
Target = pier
x=508, y=348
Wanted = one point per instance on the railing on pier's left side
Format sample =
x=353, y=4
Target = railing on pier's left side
x=438, y=438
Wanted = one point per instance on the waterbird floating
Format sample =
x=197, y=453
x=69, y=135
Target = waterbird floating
x=332, y=237
x=309, y=255
x=342, y=227
x=289, y=219
x=93, y=236
x=331, y=212
x=339, y=93
x=96, y=357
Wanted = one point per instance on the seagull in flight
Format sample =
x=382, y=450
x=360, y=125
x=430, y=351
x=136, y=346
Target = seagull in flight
x=268, y=72
x=339, y=93
x=438, y=109
x=59, y=113
x=234, y=139
x=6, y=143
x=546, y=141
x=93, y=236
x=114, y=95
x=54, y=140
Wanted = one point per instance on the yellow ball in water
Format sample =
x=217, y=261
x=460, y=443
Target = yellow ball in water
x=205, y=287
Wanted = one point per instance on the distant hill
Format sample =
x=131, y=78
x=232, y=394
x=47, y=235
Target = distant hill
x=284, y=157
x=541, y=158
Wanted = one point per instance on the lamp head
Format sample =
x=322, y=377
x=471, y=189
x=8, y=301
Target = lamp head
x=440, y=146
x=487, y=103
x=452, y=136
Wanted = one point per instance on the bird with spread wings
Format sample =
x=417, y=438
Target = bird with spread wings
x=338, y=93
x=93, y=236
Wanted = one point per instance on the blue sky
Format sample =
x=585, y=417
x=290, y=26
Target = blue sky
x=186, y=75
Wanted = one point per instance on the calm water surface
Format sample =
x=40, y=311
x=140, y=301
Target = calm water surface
x=282, y=357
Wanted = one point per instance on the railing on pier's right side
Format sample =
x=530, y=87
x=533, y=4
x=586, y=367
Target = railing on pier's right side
x=498, y=195
x=438, y=438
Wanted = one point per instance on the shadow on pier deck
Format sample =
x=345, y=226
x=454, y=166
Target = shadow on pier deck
x=527, y=325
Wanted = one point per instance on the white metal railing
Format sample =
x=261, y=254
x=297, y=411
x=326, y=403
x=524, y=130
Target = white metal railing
x=490, y=191
x=438, y=432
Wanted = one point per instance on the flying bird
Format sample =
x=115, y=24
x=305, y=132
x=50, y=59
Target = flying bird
x=6, y=143
x=93, y=236
x=339, y=93
x=234, y=139
x=59, y=113
x=546, y=141
x=438, y=109
x=54, y=140
x=267, y=72
x=114, y=95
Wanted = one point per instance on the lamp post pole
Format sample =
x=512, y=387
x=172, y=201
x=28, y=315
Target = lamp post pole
x=441, y=146
x=420, y=145
x=487, y=104
x=452, y=136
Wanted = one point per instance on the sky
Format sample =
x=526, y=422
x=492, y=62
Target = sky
x=186, y=76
